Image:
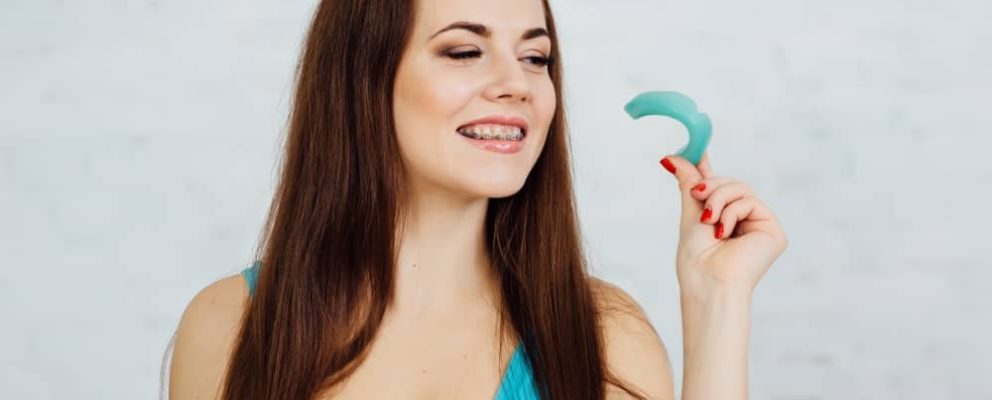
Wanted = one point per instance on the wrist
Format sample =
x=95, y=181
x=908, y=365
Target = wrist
x=718, y=295
x=716, y=324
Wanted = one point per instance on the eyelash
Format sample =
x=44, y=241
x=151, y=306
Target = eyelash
x=540, y=61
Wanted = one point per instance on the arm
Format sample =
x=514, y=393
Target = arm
x=728, y=239
x=634, y=351
x=715, y=332
x=204, y=338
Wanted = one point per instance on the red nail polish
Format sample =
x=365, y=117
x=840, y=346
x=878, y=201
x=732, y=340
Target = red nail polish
x=700, y=187
x=707, y=213
x=668, y=165
x=719, y=229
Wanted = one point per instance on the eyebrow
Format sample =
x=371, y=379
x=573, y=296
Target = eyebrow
x=483, y=31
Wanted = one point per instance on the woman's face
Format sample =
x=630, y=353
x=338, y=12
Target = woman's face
x=452, y=76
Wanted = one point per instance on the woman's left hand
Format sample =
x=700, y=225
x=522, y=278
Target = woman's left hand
x=728, y=238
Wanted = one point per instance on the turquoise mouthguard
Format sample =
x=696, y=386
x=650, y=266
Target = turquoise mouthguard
x=681, y=108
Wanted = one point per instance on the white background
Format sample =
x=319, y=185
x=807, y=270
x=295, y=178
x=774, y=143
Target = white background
x=138, y=145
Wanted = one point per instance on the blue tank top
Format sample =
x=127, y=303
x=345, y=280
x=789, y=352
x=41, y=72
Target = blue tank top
x=517, y=383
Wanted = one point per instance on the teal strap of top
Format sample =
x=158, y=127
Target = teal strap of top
x=251, y=277
x=517, y=384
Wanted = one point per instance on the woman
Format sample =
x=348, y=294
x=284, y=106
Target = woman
x=422, y=242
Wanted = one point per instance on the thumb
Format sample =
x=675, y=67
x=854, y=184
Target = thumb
x=687, y=175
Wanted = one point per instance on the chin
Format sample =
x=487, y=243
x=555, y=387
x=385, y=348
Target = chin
x=495, y=185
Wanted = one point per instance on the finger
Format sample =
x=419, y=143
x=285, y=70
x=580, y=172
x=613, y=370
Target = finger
x=705, y=187
x=720, y=197
x=685, y=172
x=687, y=176
x=760, y=219
x=704, y=166
x=734, y=213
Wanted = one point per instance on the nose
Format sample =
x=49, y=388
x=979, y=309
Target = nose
x=509, y=81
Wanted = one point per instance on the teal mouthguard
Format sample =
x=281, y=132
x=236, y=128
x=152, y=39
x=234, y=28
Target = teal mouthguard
x=681, y=108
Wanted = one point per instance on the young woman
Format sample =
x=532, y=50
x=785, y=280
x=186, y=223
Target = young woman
x=423, y=243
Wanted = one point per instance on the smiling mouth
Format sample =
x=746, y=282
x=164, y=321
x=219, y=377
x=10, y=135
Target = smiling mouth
x=493, y=132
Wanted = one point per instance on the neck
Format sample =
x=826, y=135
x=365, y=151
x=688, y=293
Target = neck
x=442, y=264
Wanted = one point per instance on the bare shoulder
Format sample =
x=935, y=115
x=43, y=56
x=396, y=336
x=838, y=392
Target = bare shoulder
x=635, y=352
x=204, y=339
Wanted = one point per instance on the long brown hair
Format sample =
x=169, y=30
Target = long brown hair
x=328, y=247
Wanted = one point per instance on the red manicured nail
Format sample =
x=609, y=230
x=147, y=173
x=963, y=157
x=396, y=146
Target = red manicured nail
x=668, y=165
x=700, y=187
x=707, y=213
x=719, y=229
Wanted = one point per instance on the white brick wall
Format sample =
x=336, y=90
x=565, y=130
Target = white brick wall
x=138, y=141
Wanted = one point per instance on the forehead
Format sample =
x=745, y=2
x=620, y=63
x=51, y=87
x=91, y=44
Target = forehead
x=501, y=16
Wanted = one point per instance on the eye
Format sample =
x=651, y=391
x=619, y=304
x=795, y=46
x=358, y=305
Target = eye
x=461, y=55
x=541, y=61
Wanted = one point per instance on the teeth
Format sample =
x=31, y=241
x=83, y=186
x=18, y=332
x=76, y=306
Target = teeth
x=488, y=132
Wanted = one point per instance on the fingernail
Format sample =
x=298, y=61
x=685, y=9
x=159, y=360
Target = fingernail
x=719, y=229
x=700, y=187
x=707, y=213
x=668, y=165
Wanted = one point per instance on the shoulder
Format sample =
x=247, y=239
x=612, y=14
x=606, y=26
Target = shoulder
x=203, y=342
x=635, y=352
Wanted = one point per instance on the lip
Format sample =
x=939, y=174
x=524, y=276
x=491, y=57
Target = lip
x=501, y=120
x=497, y=146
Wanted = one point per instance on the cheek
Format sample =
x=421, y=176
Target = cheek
x=447, y=95
x=425, y=106
x=441, y=94
x=545, y=102
x=426, y=101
